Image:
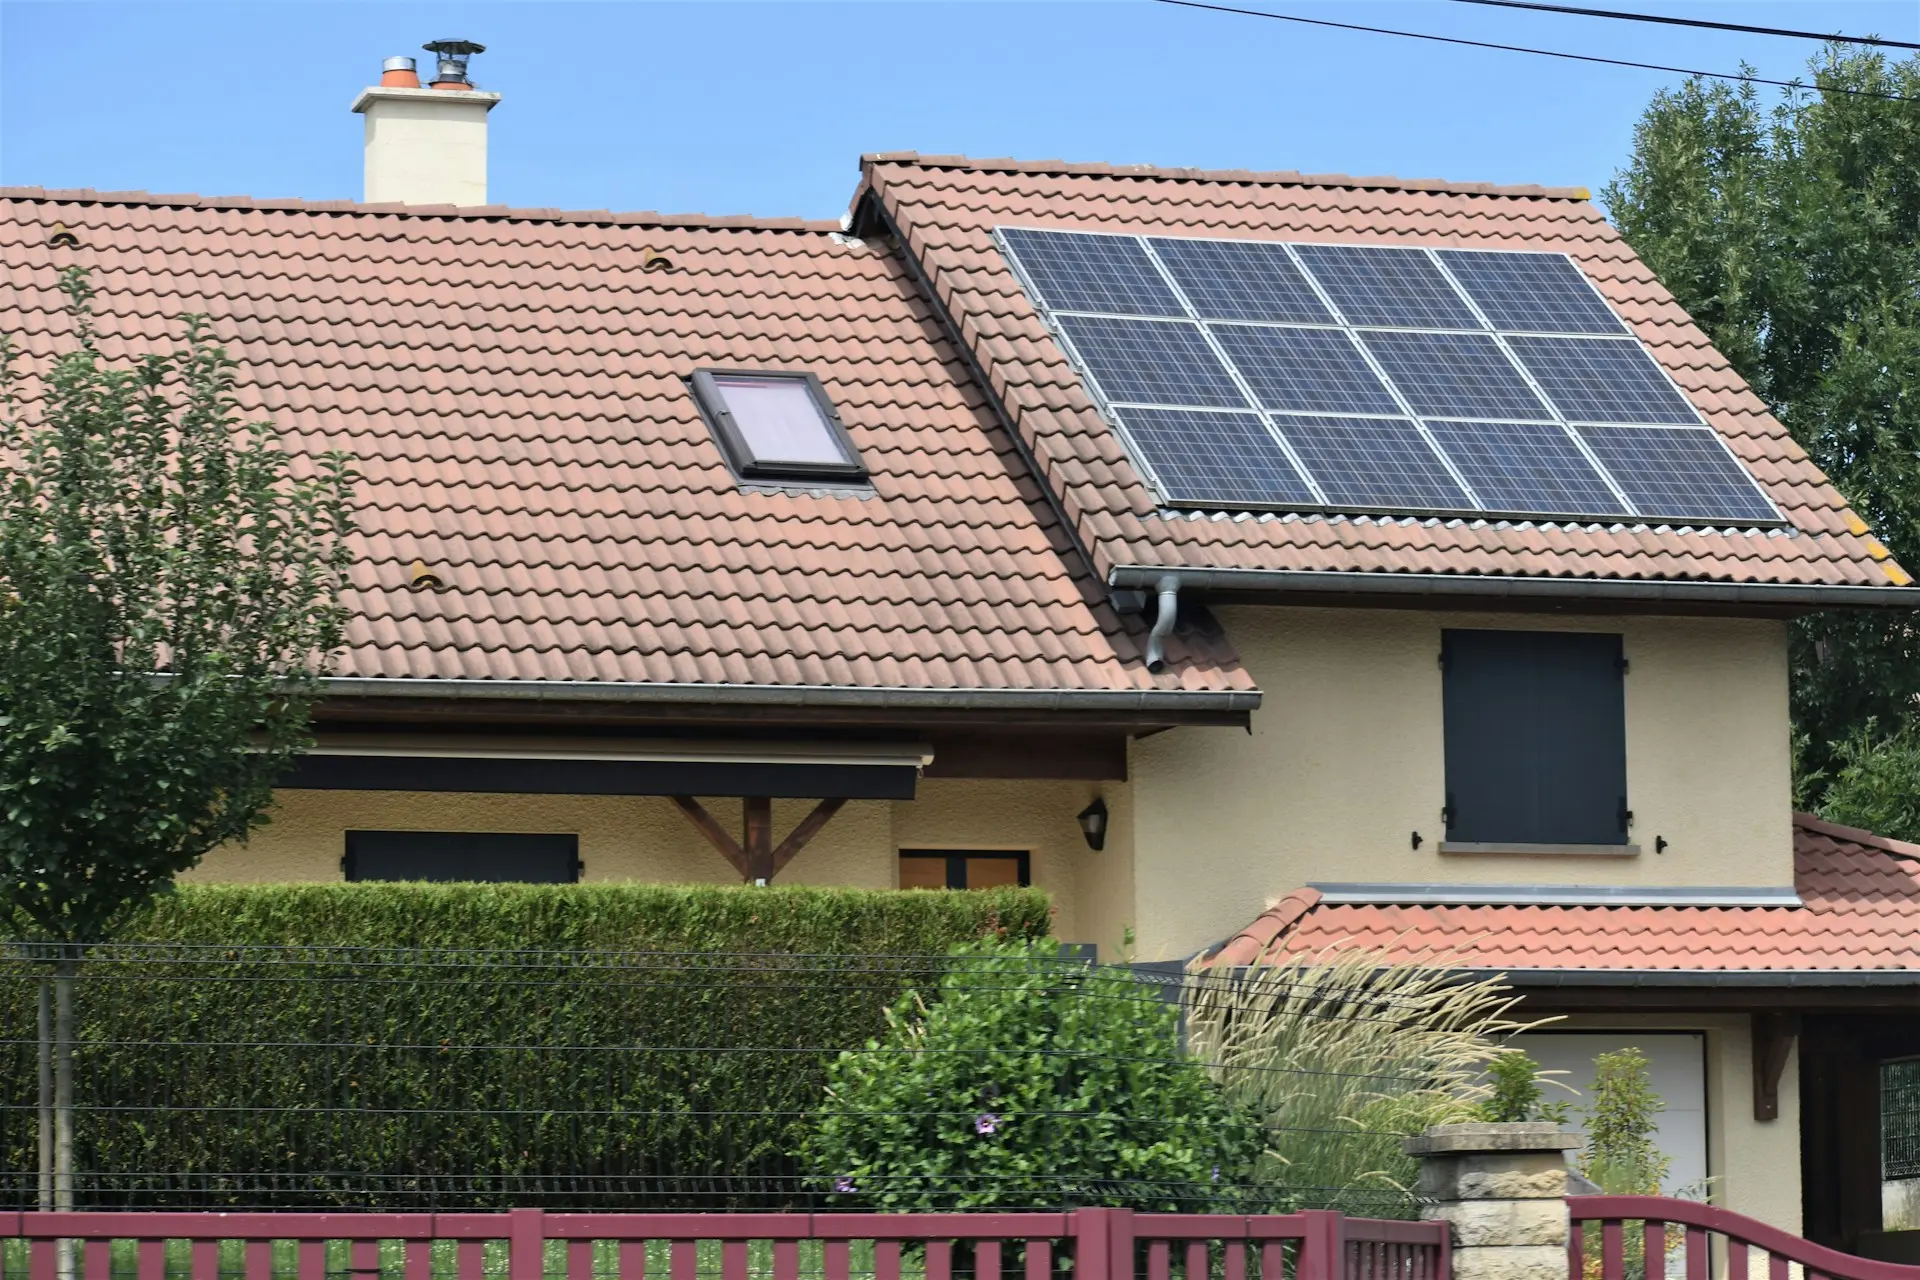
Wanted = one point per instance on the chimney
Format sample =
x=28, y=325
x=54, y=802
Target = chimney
x=427, y=146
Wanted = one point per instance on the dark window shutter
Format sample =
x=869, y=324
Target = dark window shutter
x=1536, y=737
x=463, y=855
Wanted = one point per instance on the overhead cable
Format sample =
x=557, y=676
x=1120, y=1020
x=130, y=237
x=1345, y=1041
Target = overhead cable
x=1664, y=20
x=1545, y=53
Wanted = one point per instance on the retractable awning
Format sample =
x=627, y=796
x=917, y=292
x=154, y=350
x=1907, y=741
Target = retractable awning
x=625, y=767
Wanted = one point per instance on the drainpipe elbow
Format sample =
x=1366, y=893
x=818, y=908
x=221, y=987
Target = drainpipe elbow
x=1168, y=591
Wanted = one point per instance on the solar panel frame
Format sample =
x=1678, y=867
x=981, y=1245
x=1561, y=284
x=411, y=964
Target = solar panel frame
x=1333, y=450
x=1231, y=280
x=1570, y=374
x=1120, y=355
x=1662, y=494
x=1473, y=271
x=1539, y=457
x=1285, y=423
x=1145, y=293
x=1346, y=381
x=1487, y=386
x=1278, y=483
x=1417, y=296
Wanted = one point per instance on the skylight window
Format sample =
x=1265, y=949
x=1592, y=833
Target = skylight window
x=776, y=426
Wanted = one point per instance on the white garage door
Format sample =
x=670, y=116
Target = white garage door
x=1677, y=1067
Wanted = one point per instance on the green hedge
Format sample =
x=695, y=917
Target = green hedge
x=475, y=1045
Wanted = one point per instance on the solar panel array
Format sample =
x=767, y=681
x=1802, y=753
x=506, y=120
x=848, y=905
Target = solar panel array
x=1372, y=378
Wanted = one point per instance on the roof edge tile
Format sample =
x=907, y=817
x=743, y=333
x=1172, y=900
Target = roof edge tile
x=468, y=213
x=1282, y=178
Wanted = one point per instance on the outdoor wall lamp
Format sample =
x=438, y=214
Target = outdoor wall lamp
x=1093, y=823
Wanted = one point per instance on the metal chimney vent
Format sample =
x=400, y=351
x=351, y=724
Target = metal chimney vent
x=453, y=55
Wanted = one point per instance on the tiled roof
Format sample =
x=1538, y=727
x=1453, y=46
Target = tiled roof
x=1859, y=913
x=510, y=385
x=945, y=208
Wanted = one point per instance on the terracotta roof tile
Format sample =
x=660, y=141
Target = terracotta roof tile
x=511, y=384
x=946, y=206
x=1860, y=896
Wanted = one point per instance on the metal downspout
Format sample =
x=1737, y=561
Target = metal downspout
x=1168, y=589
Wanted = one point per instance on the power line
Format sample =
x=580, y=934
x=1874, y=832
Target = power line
x=1516, y=48
x=1692, y=22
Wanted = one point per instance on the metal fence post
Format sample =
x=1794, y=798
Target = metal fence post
x=1323, y=1246
x=526, y=1244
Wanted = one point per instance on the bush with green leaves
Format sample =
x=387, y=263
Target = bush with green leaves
x=1020, y=1080
x=1517, y=1096
x=414, y=1046
x=1621, y=1157
x=1873, y=782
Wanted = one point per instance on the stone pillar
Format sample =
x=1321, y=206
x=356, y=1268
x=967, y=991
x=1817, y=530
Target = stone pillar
x=1503, y=1187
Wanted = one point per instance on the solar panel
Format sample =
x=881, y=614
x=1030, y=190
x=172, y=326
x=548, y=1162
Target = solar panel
x=1239, y=280
x=1152, y=362
x=1526, y=466
x=1531, y=292
x=1455, y=375
x=1378, y=463
x=1397, y=398
x=1079, y=272
x=1317, y=370
x=1396, y=287
x=1678, y=473
x=1598, y=380
x=1212, y=458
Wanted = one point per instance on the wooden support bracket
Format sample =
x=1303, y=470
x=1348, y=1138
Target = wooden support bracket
x=755, y=856
x=1773, y=1036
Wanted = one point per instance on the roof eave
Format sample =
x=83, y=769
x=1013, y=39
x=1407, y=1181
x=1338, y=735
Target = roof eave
x=1460, y=587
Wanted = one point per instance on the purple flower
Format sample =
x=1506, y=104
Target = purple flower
x=986, y=1123
x=845, y=1186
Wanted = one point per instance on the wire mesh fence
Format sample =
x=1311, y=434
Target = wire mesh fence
x=315, y=1078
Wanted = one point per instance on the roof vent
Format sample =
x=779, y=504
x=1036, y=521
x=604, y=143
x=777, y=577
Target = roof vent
x=453, y=55
x=62, y=238
x=421, y=577
x=399, y=73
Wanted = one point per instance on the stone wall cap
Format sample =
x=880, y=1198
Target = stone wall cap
x=1487, y=1136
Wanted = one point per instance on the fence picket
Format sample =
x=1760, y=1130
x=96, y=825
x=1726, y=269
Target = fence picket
x=833, y=1260
x=939, y=1259
x=1039, y=1260
x=96, y=1259
x=1197, y=1260
x=1235, y=1265
x=256, y=1260
x=986, y=1260
x=206, y=1259
x=1157, y=1268
x=684, y=1260
x=579, y=1260
x=1738, y=1268
x=886, y=1260
x=1776, y=1266
x=1613, y=1250
x=786, y=1260
x=418, y=1264
x=733, y=1260
x=469, y=1261
x=633, y=1261
x=1273, y=1260
x=1653, y=1244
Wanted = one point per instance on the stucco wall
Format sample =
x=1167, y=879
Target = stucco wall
x=1346, y=761
x=1754, y=1164
x=645, y=838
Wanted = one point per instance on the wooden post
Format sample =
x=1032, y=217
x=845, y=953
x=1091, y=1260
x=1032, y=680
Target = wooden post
x=756, y=813
x=1773, y=1036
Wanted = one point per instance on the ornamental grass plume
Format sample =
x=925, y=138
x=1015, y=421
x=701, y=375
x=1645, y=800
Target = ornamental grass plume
x=1342, y=1053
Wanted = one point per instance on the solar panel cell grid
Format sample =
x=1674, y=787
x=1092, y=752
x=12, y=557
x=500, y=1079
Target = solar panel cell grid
x=1678, y=473
x=1526, y=467
x=1397, y=287
x=1376, y=463
x=1455, y=375
x=1152, y=362
x=1531, y=292
x=1211, y=458
x=1078, y=272
x=1315, y=373
x=1236, y=280
x=1602, y=380
x=1314, y=370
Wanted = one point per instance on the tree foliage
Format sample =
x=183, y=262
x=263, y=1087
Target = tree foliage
x=168, y=597
x=1792, y=235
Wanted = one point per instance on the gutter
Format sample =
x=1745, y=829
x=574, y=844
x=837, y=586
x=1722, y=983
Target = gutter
x=1483, y=586
x=796, y=695
x=1706, y=977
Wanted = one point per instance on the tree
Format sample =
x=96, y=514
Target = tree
x=1793, y=238
x=168, y=597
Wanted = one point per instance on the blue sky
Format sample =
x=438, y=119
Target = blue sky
x=765, y=108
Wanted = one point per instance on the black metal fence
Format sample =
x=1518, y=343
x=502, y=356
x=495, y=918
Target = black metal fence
x=323, y=1078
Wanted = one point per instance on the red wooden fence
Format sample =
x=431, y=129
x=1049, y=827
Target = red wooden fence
x=1699, y=1223
x=1105, y=1244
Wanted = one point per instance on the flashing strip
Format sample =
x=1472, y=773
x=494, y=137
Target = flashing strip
x=1548, y=895
x=1484, y=586
x=793, y=695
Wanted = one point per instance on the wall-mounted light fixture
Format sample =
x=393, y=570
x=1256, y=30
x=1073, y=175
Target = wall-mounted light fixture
x=1093, y=823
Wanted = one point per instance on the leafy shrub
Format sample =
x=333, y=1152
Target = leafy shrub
x=1341, y=1055
x=1874, y=783
x=474, y=1045
x=1621, y=1158
x=1023, y=1081
x=1517, y=1096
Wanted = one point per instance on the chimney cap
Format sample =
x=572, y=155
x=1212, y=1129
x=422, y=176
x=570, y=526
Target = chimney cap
x=452, y=48
x=398, y=64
